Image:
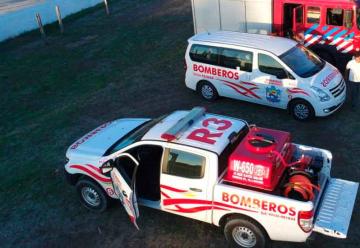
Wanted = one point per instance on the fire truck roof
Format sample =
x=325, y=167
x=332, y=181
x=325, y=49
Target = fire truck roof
x=196, y=128
x=273, y=44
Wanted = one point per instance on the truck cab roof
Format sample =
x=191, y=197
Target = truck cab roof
x=273, y=44
x=205, y=131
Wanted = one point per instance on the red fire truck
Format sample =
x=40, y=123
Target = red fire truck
x=329, y=27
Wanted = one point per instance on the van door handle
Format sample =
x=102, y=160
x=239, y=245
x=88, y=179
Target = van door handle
x=195, y=189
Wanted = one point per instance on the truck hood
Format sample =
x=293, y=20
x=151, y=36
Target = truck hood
x=96, y=142
x=327, y=78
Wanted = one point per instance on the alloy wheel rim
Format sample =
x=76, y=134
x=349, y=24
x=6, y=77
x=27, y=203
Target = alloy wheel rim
x=90, y=196
x=207, y=91
x=244, y=236
x=301, y=111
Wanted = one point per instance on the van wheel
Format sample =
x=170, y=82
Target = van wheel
x=245, y=233
x=207, y=91
x=301, y=110
x=91, y=195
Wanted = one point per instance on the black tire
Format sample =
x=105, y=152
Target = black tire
x=301, y=110
x=207, y=91
x=243, y=232
x=91, y=195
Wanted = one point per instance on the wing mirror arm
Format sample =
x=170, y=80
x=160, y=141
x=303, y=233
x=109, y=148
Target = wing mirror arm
x=107, y=166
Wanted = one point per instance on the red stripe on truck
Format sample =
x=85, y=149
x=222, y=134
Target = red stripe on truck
x=91, y=173
x=172, y=189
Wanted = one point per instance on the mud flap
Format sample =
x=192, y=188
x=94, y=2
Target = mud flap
x=335, y=209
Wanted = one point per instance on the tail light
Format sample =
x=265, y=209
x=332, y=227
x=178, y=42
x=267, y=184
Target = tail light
x=305, y=220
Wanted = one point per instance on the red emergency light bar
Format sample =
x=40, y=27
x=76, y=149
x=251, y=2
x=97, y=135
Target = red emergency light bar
x=183, y=123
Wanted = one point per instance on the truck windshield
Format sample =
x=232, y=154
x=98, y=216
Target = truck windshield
x=133, y=136
x=302, y=61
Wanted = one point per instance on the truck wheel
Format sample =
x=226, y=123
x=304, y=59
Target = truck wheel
x=245, y=233
x=91, y=195
x=207, y=91
x=301, y=110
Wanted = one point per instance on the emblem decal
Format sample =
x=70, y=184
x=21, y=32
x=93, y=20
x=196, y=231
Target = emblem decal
x=273, y=94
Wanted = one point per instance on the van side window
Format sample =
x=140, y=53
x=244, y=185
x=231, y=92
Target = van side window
x=184, y=164
x=204, y=54
x=334, y=17
x=313, y=15
x=231, y=58
x=270, y=66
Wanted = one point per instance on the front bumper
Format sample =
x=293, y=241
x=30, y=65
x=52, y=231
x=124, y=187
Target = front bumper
x=326, y=109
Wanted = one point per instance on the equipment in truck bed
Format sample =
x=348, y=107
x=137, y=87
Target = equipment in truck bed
x=255, y=163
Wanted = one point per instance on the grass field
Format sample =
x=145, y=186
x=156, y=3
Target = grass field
x=128, y=64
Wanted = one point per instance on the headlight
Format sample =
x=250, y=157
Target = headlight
x=323, y=96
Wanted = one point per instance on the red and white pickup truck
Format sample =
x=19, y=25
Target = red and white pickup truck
x=253, y=182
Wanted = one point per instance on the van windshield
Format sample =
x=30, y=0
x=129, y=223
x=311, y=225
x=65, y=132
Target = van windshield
x=302, y=61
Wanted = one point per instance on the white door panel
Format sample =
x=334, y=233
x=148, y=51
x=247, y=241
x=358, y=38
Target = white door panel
x=125, y=188
x=181, y=194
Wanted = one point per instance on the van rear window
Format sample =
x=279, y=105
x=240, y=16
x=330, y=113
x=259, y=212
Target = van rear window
x=204, y=54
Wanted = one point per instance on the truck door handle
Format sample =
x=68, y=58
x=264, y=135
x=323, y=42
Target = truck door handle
x=195, y=189
x=124, y=193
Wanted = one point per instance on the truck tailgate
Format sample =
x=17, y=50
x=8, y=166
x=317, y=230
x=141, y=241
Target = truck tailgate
x=335, y=209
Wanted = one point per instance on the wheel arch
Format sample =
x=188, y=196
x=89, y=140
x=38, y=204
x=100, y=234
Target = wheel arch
x=73, y=179
x=231, y=216
x=298, y=99
x=202, y=81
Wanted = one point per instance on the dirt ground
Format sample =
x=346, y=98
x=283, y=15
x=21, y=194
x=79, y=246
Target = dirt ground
x=127, y=65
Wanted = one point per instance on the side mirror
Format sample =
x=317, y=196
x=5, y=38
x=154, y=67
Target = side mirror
x=107, y=167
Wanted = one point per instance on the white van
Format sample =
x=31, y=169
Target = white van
x=263, y=69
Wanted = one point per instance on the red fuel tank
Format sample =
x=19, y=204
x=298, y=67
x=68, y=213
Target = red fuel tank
x=254, y=162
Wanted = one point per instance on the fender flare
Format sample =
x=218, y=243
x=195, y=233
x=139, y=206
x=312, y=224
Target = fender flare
x=298, y=99
x=231, y=216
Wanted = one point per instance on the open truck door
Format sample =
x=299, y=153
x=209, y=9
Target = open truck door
x=123, y=176
x=298, y=20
